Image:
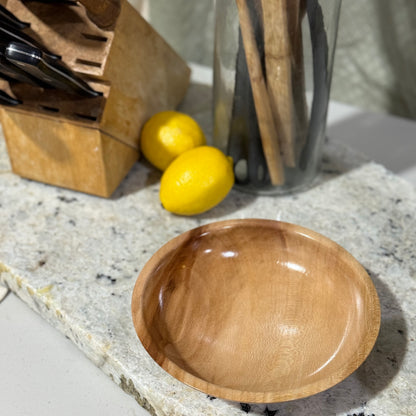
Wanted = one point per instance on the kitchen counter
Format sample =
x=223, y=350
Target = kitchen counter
x=74, y=259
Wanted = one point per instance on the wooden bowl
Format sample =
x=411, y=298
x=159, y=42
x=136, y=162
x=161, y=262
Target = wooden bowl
x=256, y=310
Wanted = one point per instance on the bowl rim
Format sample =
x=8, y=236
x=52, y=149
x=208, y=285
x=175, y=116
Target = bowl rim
x=362, y=352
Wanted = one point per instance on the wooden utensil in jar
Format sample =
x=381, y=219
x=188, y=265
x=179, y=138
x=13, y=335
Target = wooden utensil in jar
x=269, y=135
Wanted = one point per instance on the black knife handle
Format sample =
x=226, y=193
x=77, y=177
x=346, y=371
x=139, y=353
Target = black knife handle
x=50, y=71
x=6, y=99
x=8, y=33
x=11, y=72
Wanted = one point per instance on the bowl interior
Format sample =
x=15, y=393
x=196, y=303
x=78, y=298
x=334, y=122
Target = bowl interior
x=256, y=310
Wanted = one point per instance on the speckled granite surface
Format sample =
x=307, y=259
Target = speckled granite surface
x=74, y=258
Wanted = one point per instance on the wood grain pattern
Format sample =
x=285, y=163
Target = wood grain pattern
x=256, y=310
x=146, y=76
x=268, y=132
x=53, y=150
x=278, y=62
x=132, y=64
x=90, y=144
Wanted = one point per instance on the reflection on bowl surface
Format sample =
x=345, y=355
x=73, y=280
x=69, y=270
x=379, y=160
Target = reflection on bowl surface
x=256, y=310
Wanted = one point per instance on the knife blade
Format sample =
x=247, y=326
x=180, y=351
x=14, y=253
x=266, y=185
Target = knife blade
x=103, y=13
x=9, y=33
x=50, y=71
x=10, y=18
x=13, y=73
x=6, y=99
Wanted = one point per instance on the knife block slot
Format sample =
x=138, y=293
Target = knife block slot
x=85, y=117
x=94, y=37
x=80, y=61
x=89, y=144
x=52, y=109
x=67, y=107
x=66, y=31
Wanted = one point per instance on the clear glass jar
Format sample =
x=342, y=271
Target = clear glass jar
x=272, y=74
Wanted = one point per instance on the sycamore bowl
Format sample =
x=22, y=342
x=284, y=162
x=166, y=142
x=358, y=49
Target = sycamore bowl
x=256, y=310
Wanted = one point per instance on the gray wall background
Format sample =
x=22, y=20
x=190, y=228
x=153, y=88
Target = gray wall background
x=375, y=62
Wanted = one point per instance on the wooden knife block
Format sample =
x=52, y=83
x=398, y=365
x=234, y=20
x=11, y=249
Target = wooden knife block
x=90, y=144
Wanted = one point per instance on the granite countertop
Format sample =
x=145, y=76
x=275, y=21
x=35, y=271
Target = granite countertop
x=74, y=258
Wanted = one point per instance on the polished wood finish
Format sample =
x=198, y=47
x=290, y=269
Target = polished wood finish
x=138, y=73
x=256, y=310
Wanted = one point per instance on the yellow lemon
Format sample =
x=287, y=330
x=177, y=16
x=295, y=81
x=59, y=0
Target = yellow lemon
x=167, y=134
x=196, y=181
